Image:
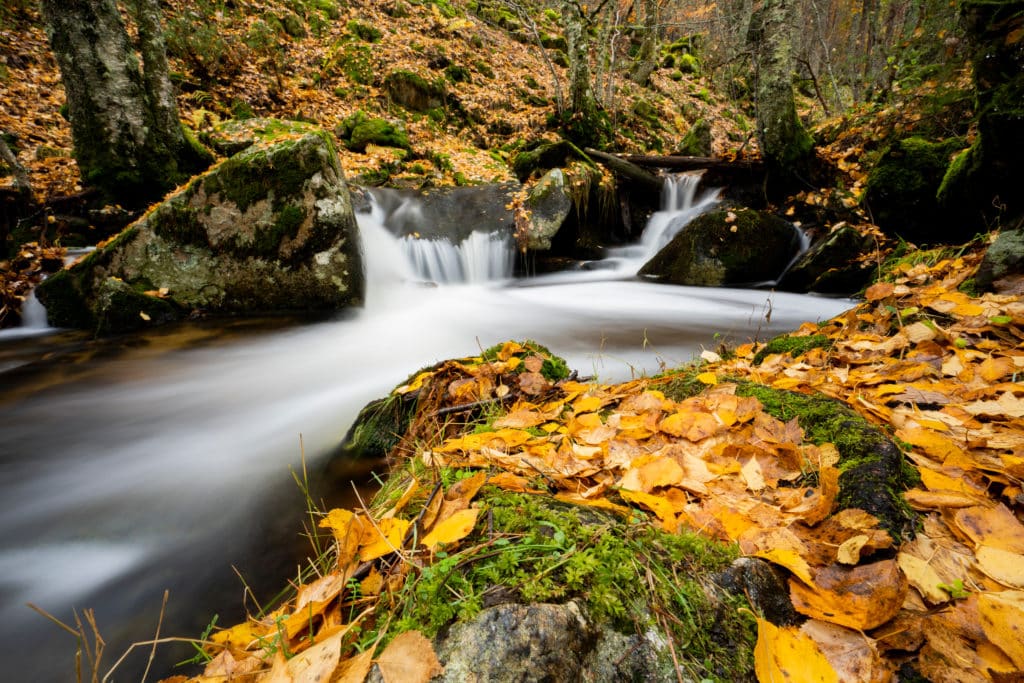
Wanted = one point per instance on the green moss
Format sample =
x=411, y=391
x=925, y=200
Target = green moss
x=457, y=74
x=175, y=221
x=65, y=304
x=873, y=472
x=624, y=572
x=359, y=130
x=365, y=32
x=794, y=346
x=688, y=64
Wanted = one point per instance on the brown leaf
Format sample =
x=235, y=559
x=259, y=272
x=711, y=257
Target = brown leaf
x=860, y=597
x=409, y=658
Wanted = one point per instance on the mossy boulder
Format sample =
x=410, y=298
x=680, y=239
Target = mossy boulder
x=269, y=229
x=726, y=247
x=360, y=130
x=832, y=264
x=414, y=92
x=697, y=141
x=901, y=189
x=548, y=205
x=1003, y=260
x=541, y=155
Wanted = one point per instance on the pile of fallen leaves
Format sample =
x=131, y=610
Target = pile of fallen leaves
x=934, y=366
x=21, y=273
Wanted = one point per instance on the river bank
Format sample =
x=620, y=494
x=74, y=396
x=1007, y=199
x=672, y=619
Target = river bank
x=930, y=364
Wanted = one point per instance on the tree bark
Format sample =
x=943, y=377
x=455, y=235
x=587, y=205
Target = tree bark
x=647, y=56
x=785, y=145
x=128, y=142
x=581, y=93
x=156, y=76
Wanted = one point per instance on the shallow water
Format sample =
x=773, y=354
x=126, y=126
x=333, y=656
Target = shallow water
x=160, y=460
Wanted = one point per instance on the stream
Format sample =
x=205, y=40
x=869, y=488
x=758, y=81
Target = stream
x=167, y=460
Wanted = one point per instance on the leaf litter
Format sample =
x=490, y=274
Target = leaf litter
x=950, y=599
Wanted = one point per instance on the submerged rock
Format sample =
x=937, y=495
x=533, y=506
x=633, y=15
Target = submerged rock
x=270, y=229
x=726, y=247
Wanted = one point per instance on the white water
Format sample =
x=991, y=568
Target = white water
x=139, y=469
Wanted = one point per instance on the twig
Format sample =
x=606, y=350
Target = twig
x=156, y=636
x=465, y=407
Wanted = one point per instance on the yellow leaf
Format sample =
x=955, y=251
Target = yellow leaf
x=994, y=369
x=409, y=658
x=709, y=378
x=316, y=664
x=849, y=550
x=586, y=404
x=788, y=654
x=922, y=577
x=659, y=471
x=386, y=538
x=934, y=444
x=1002, y=619
x=1002, y=565
x=656, y=504
x=240, y=636
x=355, y=669
x=995, y=527
x=937, y=481
x=790, y=559
x=453, y=529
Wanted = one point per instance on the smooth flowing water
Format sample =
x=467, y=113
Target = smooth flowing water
x=160, y=461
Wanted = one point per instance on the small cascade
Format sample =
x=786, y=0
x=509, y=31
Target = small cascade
x=680, y=204
x=481, y=257
x=33, y=313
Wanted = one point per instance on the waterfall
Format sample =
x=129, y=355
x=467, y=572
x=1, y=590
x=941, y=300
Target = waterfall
x=481, y=257
x=33, y=313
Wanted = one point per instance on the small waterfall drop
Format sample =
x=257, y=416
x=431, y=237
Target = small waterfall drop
x=481, y=257
x=680, y=204
x=33, y=313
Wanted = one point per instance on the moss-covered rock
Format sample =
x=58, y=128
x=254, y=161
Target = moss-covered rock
x=580, y=589
x=831, y=265
x=541, y=155
x=269, y=229
x=230, y=137
x=548, y=205
x=1003, y=259
x=360, y=130
x=697, y=141
x=414, y=92
x=873, y=471
x=725, y=247
x=901, y=189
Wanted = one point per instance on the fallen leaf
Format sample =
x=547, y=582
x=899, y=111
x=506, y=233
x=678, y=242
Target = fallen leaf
x=453, y=529
x=1002, y=619
x=1003, y=566
x=317, y=664
x=788, y=654
x=922, y=577
x=409, y=658
x=861, y=597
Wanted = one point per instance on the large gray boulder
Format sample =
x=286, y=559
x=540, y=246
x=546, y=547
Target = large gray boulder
x=727, y=247
x=270, y=229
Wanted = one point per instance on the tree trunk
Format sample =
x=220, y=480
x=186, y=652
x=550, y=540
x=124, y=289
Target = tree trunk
x=156, y=76
x=786, y=146
x=647, y=56
x=128, y=142
x=581, y=93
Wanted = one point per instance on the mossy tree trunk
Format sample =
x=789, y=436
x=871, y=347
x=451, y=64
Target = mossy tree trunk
x=584, y=122
x=647, y=55
x=127, y=137
x=786, y=145
x=981, y=186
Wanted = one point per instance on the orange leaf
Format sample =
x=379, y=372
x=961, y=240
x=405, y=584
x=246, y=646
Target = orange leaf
x=879, y=290
x=859, y=597
x=355, y=669
x=656, y=504
x=385, y=539
x=996, y=527
x=659, y=471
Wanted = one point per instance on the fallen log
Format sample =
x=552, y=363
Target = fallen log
x=627, y=169
x=681, y=163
